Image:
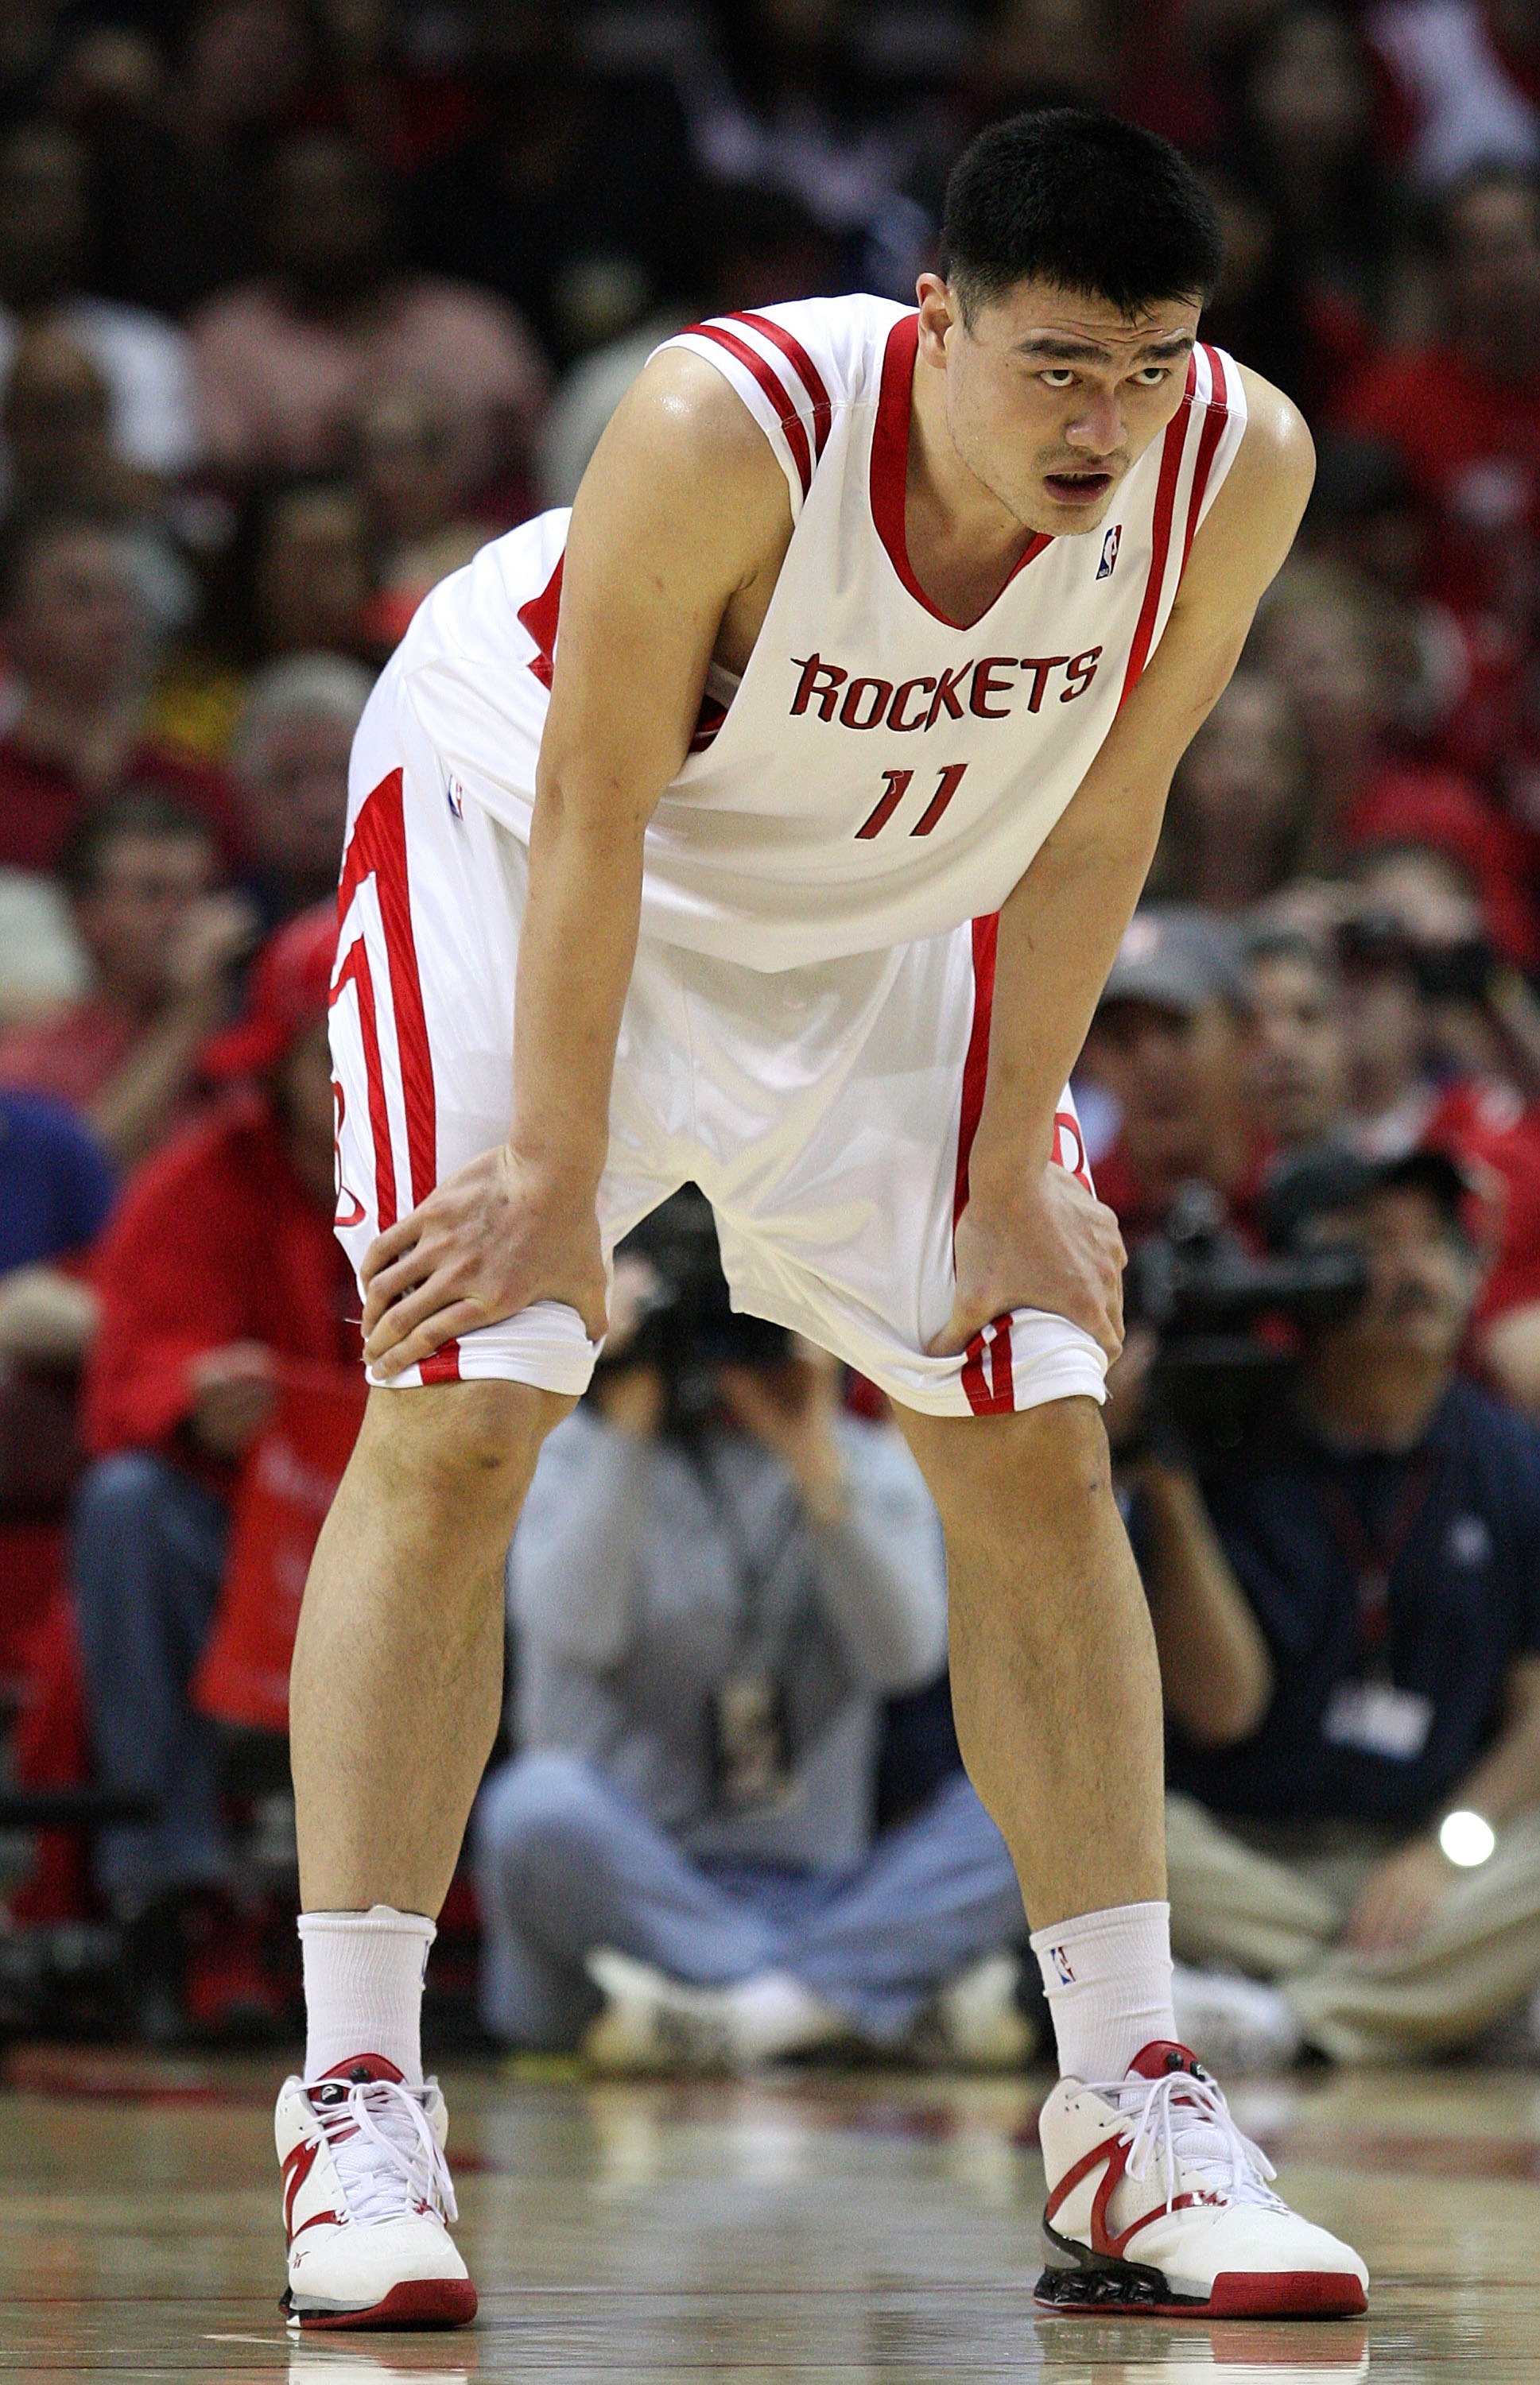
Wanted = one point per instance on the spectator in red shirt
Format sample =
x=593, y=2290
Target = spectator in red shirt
x=77, y=632
x=141, y=875
x=220, y=1264
x=1464, y=412
x=1167, y=1043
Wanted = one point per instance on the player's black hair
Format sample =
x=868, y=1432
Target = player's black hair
x=1086, y=201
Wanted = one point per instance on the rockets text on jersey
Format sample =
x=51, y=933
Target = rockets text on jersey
x=880, y=772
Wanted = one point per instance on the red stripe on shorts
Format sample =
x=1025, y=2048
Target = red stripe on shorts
x=990, y=1387
x=377, y=849
x=354, y=970
x=975, y=1067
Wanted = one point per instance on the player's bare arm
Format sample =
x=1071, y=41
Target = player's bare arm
x=675, y=540
x=1031, y=1235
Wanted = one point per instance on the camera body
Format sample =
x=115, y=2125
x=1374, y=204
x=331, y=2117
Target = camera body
x=1222, y=1314
x=689, y=1327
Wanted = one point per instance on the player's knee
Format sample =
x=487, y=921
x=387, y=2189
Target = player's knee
x=455, y=1444
x=1001, y=1475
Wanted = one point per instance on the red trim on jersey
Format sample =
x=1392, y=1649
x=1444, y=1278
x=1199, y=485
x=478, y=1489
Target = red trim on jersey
x=890, y=469
x=1165, y=503
x=1069, y=1148
x=539, y=616
x=377, y=849
x=707, y=722
x=775, y=389
x=802, y=365
x=1210, y=436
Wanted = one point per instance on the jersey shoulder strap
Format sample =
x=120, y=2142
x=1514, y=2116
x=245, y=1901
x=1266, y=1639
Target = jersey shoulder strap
x=797, y=367
x=1216, y=398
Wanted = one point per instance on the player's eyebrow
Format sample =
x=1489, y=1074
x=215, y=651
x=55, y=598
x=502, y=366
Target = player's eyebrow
x=1080, y=352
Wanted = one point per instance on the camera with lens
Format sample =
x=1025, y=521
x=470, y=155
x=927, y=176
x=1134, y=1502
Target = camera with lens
x=1217, y=1309
x=1458, y=971
x=688, y=1328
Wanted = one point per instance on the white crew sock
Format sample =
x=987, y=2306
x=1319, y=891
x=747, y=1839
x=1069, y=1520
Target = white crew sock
x=363, y=1987
x=1107, y=1976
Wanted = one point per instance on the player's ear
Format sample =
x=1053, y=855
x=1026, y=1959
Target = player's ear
x=940, y=315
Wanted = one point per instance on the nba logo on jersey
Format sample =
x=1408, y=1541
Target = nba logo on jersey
x=454, y=795
x=1110, y=544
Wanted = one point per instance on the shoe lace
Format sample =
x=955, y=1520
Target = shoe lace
x=387, y=2158
x=1178, y=2121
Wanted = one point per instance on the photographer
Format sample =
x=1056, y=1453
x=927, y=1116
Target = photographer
x=1347, y=1613
x=716, y=1579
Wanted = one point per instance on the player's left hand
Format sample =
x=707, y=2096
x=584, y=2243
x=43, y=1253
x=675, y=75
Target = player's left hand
x=1048, y=1243
x=1398, y=1899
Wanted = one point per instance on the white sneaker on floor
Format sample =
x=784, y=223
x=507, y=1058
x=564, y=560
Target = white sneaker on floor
x=651, y=2022
x=367, y=2195
x=1235, y=2024
x=978, y=2022
x=1158, y=2206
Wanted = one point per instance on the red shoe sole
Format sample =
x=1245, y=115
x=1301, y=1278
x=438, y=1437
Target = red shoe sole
x=421, y=2301
x=1238, y=2293
x=1286, y=2293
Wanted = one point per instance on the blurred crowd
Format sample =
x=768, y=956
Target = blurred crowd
x=301, y=301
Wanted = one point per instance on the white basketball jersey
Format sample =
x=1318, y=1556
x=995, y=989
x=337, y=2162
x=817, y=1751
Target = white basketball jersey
x=880, y=773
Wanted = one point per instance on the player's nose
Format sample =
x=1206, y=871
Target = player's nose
x=1098, y=428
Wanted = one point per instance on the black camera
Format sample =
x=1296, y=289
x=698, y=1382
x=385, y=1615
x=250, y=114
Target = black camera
x=1462, y=971
x=688, y=1326
x=1216, y=1308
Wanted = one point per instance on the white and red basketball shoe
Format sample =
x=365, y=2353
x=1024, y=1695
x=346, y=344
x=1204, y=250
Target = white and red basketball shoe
x=366, y=2194
x=1158, y=2204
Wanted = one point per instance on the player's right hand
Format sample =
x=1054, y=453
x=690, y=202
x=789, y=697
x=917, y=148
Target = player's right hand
x=491, y=1240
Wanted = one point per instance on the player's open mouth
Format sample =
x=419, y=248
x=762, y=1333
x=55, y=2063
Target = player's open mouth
x=1077, y=488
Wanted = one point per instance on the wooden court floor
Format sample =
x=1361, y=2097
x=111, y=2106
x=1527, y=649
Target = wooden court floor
x=823, y=2230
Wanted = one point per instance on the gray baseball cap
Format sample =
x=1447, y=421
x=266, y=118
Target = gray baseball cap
x=1326, y=1178
x=1175, y=958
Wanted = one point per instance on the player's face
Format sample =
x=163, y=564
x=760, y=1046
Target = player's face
x=1051, y=396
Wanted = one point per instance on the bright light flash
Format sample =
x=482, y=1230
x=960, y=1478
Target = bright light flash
x=1466, y=1838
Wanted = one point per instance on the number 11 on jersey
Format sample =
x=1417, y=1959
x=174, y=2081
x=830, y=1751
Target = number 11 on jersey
x=897, y=786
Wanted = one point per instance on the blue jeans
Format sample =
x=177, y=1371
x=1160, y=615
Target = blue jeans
x=147, y=1557
x=565, y=1863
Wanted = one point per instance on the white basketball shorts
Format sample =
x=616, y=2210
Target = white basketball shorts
x=826, y=1112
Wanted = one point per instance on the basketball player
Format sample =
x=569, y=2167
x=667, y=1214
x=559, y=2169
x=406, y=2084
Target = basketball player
x=804, y=780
